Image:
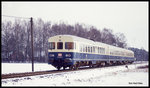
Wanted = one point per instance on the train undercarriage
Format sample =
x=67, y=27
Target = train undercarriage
x=98, y=64
x=78, y=64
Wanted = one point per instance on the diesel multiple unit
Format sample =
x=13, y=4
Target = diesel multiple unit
x=73, y=52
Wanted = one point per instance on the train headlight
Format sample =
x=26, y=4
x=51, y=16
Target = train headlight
x=51, y=55
x=67, y=60
x=68, y=55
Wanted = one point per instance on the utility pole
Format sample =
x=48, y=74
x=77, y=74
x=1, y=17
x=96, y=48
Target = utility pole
x=32, y=44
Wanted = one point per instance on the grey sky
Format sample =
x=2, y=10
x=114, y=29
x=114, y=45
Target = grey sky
x=130, y=18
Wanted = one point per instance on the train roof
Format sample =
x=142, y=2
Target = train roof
x=74, y=38
x=84, y=40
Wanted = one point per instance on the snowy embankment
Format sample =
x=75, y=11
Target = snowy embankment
x=107, y=76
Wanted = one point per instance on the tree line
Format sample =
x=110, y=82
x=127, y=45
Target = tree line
x=140, y=54
x=16, y=38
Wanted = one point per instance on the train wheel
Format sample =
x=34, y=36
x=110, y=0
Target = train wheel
x=64, y=68
x=130, y=62
x=76, y=68
x=118, y=63
x=70, y=68
x=99, y=65
x=93, y=65
x=73, y=67
x=103, y=64
x=58, y=68
x=90, y=64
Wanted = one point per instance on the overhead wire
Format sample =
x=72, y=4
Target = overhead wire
x=16, y=17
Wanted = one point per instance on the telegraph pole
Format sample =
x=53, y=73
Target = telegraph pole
x=32, y=44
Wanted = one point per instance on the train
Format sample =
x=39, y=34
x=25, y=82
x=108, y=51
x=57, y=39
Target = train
x=73, y=52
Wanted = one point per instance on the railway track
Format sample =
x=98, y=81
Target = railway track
x=15, y=75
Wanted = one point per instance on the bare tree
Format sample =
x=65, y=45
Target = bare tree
x=94, y=34
x=6, y=40
x=120, y=40
x=107, y=36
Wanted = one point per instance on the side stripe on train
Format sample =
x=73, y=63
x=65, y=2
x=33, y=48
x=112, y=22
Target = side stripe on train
x=83, y=56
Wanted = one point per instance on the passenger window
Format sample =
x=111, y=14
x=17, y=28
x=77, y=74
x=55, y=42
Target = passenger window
x=81, y=48
x=93, y=49
x=59, y=45
x=69, y=45
x=103, y=50
x=86, y=48
x=52, y=45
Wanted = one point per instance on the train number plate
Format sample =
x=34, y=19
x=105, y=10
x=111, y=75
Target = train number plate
x=60, y=54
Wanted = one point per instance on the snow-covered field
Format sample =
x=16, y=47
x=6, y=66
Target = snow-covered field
x=24, y=67
x=107, y=76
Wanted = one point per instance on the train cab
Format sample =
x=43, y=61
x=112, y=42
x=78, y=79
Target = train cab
x=60, y=51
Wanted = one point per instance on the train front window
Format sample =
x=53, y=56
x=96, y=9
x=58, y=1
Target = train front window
x=52, y=45
x=59, y=45
x=69, y=45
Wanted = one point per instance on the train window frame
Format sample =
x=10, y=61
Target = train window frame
x=50, y=44
x=75, y=45
x=81, y=48
x=88, y=49
x=98, y=49
x=69, y=47
x=91, y=49
x=103, y=50
x=84, y=48
x=60, y=47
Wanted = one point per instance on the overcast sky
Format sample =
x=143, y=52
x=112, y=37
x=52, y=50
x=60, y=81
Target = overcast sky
x=130, y=18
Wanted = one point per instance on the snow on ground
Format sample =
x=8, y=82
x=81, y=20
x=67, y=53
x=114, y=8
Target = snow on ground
x=24, y=67
x=106, y=76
